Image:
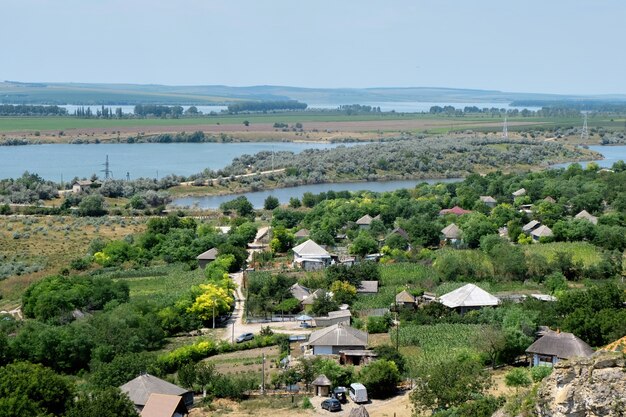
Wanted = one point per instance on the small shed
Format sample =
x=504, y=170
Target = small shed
x=584, y=215
x=554, y=346
x=356, y=357
x=451, y=233
x=322, y=386
x=334, y=317
x=368, y=287
x=164, y=405
x=405, y=299
x=207, y=257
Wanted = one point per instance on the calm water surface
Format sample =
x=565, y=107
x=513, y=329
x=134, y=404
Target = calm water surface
x=138, y=159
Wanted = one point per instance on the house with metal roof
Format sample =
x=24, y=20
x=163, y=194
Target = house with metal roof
x=519, y=193
x=299, y=292
x=164, y=405
x=554, y=346
x=368, y=287
x=585, y=215
x=541, y=231
x=81, y=185
x=140, y=389
x=334, y=317
x=302, y=233
x=530, y=226
x=488, y=200
x=333, y=339
x=549, y=199
x=207, y=257
x=310, y=256
x=468, y=297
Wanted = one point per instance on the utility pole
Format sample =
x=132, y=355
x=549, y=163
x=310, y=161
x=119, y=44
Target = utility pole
x=107, y=172
x=263, y=376
x=214, y=314
x=505, y=129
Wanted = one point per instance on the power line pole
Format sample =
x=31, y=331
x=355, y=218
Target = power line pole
x=107, y=171
x=584, y=134
x=263, y=376
x=505, y=129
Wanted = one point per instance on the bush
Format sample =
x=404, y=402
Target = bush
x=306, y=404
x=381, y=378
x=538, y=373
x=517, y=377
x=379, y=324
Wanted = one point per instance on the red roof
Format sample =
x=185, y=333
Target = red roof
x=454, y=210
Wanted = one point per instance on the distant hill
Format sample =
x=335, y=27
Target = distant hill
x=15, y=92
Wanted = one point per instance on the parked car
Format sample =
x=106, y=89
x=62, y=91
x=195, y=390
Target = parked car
x=339, y=393
x=244, y=336
x=305, y=325
x=331, y=404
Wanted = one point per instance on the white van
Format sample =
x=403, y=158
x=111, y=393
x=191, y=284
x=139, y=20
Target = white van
x=358, y=393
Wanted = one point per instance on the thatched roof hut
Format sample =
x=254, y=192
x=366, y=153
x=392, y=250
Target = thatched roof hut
x=554, y=346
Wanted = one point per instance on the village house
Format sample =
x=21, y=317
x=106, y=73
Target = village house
x=164, y=405
x=468, y=297
x=81, y=185
x=554, y=346
x=366, y=221
x=207, y=257
x=530, y=226
x=307, y=303
x=406, y=299
x=140, y=389
x=368, y=287
x=549, y=199
x=488, y=200
x=541, y=231
x=333, y=339
x=302, y=233
x=586, y=216
x=262, y=238
x=519, y=193
x=451, y=234
x=310, y=256
x=334, y=317
x=299, y=292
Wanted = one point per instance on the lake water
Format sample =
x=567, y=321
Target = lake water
x=257, y=198
x=67, y=161
x=126, y=109
x=612, y=154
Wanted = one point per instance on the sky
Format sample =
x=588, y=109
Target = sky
x=543, y=46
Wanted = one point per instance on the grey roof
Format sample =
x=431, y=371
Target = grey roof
x=314, y=295
x=531, y=225
x=310, y=249
x=560, y=344
x=487, y=199
x=365, y=220
x=262, y=232
x=400, y=231
x=451, y=231
x=468, y=295
x=322, y=380
x=405, y=297
x=302, y=233
x=338, y=335
x=84, y=182
x=340, y=313
x=549, y=200
x=586, y=216
x=542, y=231
x=299, y=292
x=520, y=192
x=140, y=388
x=209, y=255
x=368, y=287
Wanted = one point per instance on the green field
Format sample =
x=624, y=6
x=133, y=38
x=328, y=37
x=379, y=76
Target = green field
x=582, y=252
x=442, y=123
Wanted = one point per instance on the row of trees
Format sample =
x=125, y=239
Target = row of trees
x=265, y=106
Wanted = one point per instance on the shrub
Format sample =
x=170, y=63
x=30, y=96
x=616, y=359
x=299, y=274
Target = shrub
x=538, y=373
x=379, y=324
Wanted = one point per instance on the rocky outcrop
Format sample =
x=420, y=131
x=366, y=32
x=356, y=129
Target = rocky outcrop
x=586, y=387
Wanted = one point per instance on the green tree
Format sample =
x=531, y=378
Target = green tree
x=390, y=353
x=33, y=390
x=474, y=226
x=187, y=375
x=205, y=375
x=449, y=383
x=363, y=244
x=91, y=206
x=380, y=377
x=282, y=240
x=294, y=202
x=241, y=205
x=517, y=378
x=323, y=305
x=271, y=203
x=110, y=402
x=343, y=292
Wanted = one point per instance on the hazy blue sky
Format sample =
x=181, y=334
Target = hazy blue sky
x=556, y=46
